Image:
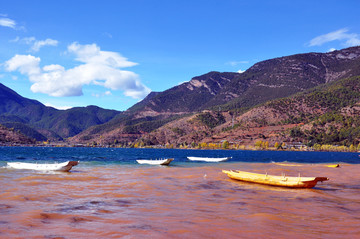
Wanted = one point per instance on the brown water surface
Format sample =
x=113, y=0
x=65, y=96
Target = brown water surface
x=178, y=202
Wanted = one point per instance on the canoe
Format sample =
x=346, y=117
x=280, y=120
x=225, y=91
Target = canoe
x=298, y=165
x=155, y=162
x=64, y=167
x=333, y=165
x=282, y=181
x=205, y=159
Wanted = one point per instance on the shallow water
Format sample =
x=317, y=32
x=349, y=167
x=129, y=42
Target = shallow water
x=107, y=199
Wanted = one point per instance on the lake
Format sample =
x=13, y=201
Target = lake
x=109, y=195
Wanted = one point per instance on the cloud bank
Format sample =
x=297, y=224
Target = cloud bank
x=98, y=68
x=350, y=39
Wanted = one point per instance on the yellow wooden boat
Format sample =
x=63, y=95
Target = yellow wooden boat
x=283, y=181
x=299, y=165
x=333, y=165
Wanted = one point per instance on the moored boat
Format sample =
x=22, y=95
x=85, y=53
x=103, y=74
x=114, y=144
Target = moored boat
x=299, y=165
x=156, y=161
x=205, y=159
x=333, y=166
x=63, y=167
x=282, y=181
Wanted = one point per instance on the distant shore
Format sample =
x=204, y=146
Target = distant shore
x=316, y=148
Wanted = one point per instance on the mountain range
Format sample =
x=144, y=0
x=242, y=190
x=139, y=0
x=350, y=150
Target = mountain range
x=208, y=108
x=40, y=122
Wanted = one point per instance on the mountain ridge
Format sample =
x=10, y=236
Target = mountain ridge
x=327, y=114
x=41, y=122
x=267, y=80
x=213, y=98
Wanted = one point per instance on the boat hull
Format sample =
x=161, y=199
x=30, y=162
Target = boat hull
x=214, y=160
x=63, y=167
x=155, y=162
x=281, y=181
x=333, y=166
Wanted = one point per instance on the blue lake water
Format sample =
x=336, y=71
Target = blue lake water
x=130, y=155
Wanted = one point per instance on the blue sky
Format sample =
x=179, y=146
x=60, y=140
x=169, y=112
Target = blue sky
x=113, y=53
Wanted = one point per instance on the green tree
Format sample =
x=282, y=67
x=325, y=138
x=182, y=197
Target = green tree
x=225, y=144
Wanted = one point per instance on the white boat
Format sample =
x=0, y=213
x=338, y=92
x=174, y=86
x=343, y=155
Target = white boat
x=155, y=162
x=205, y=159
x=64, y=167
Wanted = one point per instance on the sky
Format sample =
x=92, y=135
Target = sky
x=112, y=53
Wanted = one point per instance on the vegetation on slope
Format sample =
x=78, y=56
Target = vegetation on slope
x=331, y=113
x=11, y=136
x=328, y=114
x=30, y=117
x=211, y=120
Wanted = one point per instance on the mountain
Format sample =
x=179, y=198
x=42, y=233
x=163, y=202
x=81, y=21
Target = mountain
x=40, y=122
x=327, y=114
x=284, y=76
x=266, y=80
x=192, y=96
x=10, y=136
x=227, y=92
x=194, y=110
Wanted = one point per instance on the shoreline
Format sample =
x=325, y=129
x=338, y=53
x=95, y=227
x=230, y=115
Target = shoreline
x=321, y=148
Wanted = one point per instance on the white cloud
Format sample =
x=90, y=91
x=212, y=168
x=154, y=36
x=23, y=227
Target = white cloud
x=25, y=64
x=331, y=49
x=38, y=44
x=350, y=39
x=241, y=71
x=58, y=107
x=99, y=68
x=7, y=22
x=91, y=54
x=35, y=44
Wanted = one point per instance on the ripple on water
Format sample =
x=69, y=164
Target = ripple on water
x=5, y=208
x=54, y=237
x=91, y=206
x=123, y=202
